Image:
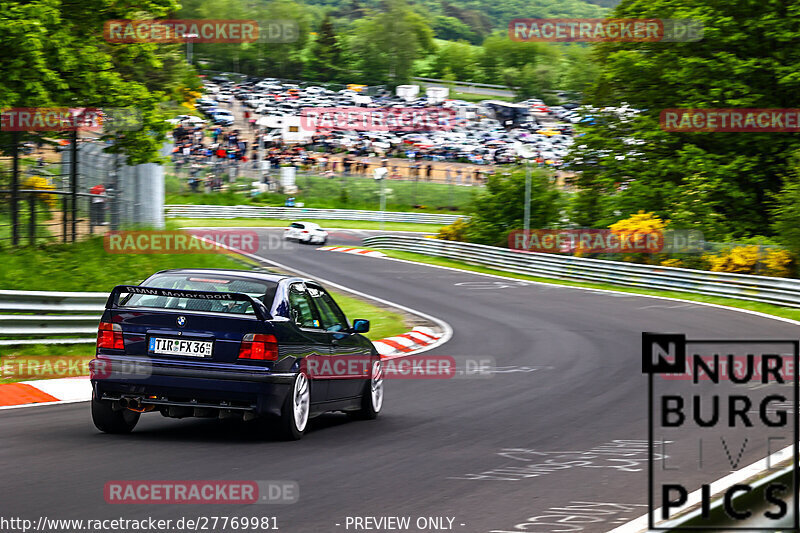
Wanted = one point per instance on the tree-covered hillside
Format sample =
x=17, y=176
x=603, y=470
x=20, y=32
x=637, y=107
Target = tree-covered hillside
x=472, y=20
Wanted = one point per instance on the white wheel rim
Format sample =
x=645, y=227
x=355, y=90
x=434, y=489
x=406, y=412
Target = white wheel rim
x=300, y=402
x=376, y=386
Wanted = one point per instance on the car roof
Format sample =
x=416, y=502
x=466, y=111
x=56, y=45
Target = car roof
x=263, y=276
x=307, y=224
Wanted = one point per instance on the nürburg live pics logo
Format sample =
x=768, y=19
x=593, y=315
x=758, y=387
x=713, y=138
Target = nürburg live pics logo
x=723, y=433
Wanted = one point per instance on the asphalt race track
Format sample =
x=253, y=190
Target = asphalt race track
x=566, y=378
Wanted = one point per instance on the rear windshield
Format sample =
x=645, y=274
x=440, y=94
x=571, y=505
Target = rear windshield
x=257, y=289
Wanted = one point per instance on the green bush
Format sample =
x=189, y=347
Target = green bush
x=499, y=208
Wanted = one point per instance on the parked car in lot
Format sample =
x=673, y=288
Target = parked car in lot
x=223, y=117
x=219, y=343
x=187, y=119
x=306, y=232
x=488, y=135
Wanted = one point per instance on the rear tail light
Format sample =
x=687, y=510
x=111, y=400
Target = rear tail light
x=305, y=231
x=258, y=347
x=110, y=336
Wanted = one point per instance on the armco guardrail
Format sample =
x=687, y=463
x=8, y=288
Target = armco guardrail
x=777, y=291
x=41, y=314
x=298, y=213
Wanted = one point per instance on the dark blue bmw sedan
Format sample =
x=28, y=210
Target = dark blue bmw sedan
x=231, y=344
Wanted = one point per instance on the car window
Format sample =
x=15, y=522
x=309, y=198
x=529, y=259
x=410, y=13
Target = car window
x=301, y=307
x=296, y=225
x=333, y=319
x=257, y=289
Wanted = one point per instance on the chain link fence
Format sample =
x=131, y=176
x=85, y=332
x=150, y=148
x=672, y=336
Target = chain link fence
x=45, y=198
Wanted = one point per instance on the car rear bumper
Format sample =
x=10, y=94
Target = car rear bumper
x=189, y=389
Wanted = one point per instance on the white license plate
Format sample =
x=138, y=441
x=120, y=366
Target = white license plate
x=180, y=347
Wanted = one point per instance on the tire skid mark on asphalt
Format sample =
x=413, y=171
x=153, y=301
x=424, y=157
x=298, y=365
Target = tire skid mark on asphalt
x=622, y=455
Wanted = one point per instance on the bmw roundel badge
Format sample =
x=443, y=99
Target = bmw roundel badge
x=181, y=321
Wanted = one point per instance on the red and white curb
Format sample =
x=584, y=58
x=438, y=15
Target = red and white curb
x=45, y=392
x=347, y=250
x=407, y=343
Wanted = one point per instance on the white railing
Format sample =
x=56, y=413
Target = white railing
x=777, y=291
x=303, y=213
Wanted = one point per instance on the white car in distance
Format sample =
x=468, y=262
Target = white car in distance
x=306, y=232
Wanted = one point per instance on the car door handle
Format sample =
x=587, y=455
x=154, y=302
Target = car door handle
x=334, y=342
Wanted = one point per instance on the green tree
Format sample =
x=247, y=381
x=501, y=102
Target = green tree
x=578, y=72
x=785, y=211
x=325, y=60
x=501, y=53
x=278, y=59
x=720, y=182
x=452, y=29
x=532, y=81
x=499, y=208
x=385, y=45
x=459, y=59
x=54, y=54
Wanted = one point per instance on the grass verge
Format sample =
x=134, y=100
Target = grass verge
x=175, y=223
x=86, y=266
x=472, y=97
x=383, y=323
x=769, y=309
x=353, y=192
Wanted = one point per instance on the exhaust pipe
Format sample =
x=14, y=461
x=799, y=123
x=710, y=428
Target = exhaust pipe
x=135, y=404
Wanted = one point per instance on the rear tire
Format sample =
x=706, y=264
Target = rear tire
x=109, y=421
x=296, y=408
x=372, y=397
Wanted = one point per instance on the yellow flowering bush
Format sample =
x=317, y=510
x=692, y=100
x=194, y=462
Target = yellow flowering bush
x=453, y=232
x=778, y=263
x=744, y=260
x=41, y=183
x=672, y=262
x=188, y=97
x=639, y=224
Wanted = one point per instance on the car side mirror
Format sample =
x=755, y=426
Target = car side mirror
x=360, y=325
